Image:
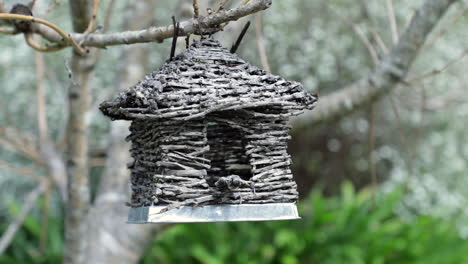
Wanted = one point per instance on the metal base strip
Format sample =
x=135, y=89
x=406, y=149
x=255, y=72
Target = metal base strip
x=214, y=213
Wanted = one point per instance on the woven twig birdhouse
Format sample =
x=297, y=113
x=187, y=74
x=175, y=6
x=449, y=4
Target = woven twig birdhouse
x=209, y=138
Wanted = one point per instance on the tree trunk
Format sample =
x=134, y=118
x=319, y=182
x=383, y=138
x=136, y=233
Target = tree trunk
x=115, y=241
x=77, y=143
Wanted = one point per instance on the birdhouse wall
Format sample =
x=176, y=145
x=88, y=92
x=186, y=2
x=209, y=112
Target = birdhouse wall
x=168, y=162
x=210, y=162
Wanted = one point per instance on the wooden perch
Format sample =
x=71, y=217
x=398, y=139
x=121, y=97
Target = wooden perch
x=239, y=39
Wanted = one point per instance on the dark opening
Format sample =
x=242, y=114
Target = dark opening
x=227, y=153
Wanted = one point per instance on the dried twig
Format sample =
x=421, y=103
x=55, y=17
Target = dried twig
x=41, y=48
x=261, y=42
x=392, y=21
x=24, y=171
x=362, y=36
x=222, y=5
x=40, y=95
x=445, y=28
x=29, y=202
x=401, y=134
x=92, y=21
x=380, y=42
x=45, y=219
x=195, y=9
x=20, y=142
x=9, y=31
x=437, y=71
x=52, y=6
x=62, y=33
x=108, y=15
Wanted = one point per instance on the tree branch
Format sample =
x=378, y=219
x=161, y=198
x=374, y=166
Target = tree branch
x=63, y=35
x=390, y=71
x=9, y=234
x=158, y=34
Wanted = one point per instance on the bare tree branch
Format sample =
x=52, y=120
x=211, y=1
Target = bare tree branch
x=390, y=71
x=25, y=171
x=421, y=77
x=261, y=42
x=92, y=22
x=446, y=27
x=392, y=21
x=9, y=234
x=64, y=37
x=158, y=34
x=54, y=163
x=361, y=35
x=52, y=6
x=38, y=47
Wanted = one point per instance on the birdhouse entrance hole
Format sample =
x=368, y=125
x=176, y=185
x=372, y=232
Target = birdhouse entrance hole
x=227, y=153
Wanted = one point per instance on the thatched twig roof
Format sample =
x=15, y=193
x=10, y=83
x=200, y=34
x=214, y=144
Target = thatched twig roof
x=204, y=79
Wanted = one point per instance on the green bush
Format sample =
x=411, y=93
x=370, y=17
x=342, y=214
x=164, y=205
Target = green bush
x=351, y=228
x=25, y=245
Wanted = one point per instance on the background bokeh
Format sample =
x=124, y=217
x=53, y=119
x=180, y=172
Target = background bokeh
x=415, y=209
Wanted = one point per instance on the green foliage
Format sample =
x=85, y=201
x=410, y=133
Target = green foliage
x=25, y=246
x=353, y=228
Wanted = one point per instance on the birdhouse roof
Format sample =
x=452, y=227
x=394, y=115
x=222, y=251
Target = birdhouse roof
x=204, y=79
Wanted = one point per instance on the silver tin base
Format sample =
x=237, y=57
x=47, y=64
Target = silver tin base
x=214, y=213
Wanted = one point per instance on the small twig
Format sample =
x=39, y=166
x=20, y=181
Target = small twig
x=445, y=28
x=261, y=42
x=92, y=21
x=21, y=143
x=41, y=103
x=380, y=42
x=24, y=171
x=38, y=47
x=45, y=219
x=62, y=33
x=437, y=71
x=241, y=36
x=31, y=4
x=107, y=19
x=195, y=9
x=360, y=34
x=9, y=31
x=174, y=38
x=52, y=6
x=222, y=5
x=392, y=21
x=2, y=7
x=9, y=234
x=401, y=134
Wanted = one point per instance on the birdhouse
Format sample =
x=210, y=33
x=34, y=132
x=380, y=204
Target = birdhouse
x=209, y=137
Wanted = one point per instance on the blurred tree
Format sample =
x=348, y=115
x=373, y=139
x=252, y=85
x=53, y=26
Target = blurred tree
x=94, y=228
